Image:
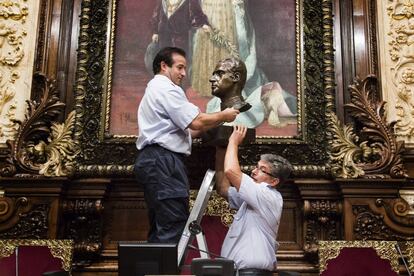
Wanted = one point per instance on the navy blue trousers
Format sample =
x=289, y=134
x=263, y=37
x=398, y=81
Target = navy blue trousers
x=163, y=176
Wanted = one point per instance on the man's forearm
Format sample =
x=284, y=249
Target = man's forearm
x=205, y=121
x=222, y=183
x=232, y=166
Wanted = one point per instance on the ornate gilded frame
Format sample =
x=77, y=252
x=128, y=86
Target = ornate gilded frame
x=331, y=249
x=62, y=249
x=104, y=154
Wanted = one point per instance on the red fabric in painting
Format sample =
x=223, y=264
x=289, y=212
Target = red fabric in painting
x=32, y=261
x=358, y=261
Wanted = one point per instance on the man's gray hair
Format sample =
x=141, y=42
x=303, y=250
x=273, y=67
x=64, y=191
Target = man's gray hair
x=279, y=166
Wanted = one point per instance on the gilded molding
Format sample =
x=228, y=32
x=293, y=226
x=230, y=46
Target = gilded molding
x=400, y=46
x=61, y=249
x=331, y=249
x=216, y=206
x=374, y=152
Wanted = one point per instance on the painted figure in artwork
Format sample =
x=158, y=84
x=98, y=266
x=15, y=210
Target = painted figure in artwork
x=172, y=21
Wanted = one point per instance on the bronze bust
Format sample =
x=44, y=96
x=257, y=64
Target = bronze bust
x=227, y=82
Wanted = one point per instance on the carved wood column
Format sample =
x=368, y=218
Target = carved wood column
x=83, y=222
x=322, y=210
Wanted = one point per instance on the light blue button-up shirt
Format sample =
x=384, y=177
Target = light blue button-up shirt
x=251, y=239
x=164, y=115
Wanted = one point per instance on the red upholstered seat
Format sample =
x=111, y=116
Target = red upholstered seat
x=34, y=257
x=343, y=258
x=358, y=261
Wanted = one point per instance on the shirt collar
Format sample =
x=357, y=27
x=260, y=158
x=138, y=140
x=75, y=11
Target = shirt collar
x=165, y=78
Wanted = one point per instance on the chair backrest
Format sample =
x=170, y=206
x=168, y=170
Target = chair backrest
x=358, y=258
x=35, y=257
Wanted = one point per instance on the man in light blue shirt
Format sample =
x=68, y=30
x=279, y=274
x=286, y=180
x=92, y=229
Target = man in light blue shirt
x=251, y=240
x=167, y=121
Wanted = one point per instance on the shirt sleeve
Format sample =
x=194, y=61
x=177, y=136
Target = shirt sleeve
x=179, y=109
x=234, y=198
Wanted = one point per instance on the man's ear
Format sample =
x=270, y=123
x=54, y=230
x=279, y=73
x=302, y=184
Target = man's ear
x=275, y=182
x=163, y=66
x=235, y=76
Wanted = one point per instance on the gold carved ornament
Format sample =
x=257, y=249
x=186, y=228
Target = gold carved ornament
x=51, y=156
x=375, y=152
x=60, y=149
x=62, y=249
x=401, y=53
x=329, y=250
x=217, y=206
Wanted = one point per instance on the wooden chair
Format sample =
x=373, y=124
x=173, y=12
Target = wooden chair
x=358, y=258
x=35, y=257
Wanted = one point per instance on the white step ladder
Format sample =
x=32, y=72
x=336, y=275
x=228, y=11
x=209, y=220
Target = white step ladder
x=196, y=214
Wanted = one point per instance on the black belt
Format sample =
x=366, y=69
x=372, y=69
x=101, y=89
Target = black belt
x=255, y=271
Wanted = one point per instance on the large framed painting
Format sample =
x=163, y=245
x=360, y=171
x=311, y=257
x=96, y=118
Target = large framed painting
x=210, y=30
x=285, y=44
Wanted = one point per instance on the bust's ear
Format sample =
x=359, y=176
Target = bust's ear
x=235, y=77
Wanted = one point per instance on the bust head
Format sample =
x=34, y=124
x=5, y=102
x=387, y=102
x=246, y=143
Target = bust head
x=227, y=83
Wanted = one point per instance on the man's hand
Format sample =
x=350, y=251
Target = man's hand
x=229, y=114
x=155, y=38
x=239, y=132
